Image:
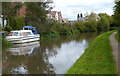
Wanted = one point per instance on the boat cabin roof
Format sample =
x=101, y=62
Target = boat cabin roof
x=22, y=31
x=29, y=27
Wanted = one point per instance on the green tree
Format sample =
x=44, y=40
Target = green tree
x=104, y=22
x=17, y=22
x=9, y=9
x=36, y=12
x=117, y=13
x=92, y=20
x=92, y=17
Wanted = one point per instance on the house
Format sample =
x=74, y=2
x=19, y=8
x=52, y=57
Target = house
x=65, y=20
x=55, y=15
x=80, y=17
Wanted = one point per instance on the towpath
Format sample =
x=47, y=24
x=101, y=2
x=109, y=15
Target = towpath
x=115, y=45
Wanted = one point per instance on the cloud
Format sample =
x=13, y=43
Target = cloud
x=70, y=8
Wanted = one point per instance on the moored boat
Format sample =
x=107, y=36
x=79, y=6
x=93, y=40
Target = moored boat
x=22, y=36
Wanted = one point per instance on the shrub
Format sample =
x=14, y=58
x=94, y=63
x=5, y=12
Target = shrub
x=8, y=28
x=17, y=22
x=5, y=43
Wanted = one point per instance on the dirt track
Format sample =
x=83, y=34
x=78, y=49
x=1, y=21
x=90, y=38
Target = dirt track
x=114, y=44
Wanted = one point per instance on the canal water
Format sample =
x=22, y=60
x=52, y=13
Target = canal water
x=48, y=56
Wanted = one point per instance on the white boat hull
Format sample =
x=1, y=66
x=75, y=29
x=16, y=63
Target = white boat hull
x=24, y=39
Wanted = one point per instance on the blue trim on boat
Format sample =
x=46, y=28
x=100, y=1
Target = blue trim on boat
x=31, y=38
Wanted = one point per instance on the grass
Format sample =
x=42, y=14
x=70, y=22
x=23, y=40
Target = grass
x=117, y=37
x=97, y=58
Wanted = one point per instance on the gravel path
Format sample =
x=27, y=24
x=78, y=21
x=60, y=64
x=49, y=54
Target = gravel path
x=114, y=44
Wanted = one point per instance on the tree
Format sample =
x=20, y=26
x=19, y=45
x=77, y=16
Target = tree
x=117, y=12
x=36, y=12
x=104, y=22
x=93, y=19
x=9, y=9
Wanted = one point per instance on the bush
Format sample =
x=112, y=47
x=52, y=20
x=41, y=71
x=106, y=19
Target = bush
x=17, y=22
x=5, y=43
x=8, y=28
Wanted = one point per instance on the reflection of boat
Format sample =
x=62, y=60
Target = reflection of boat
x=23, y=49
x=20, y=70
x=27, y=34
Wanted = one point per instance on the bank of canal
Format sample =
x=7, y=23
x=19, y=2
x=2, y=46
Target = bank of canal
x=97, y=58
x=49, y=56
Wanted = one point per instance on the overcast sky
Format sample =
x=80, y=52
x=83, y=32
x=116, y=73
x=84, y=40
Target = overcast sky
x=70, y=8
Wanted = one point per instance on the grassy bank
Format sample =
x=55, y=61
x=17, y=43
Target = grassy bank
x=97, y=58
x=117, y=37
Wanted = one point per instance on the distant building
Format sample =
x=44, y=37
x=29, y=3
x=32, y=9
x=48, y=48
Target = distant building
x=57, y=16
x=65, y=20
x=80, y=17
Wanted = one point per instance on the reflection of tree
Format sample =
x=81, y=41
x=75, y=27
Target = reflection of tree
x=39, y=62
x=51, y=46
x=34, y=64
x=89, y=37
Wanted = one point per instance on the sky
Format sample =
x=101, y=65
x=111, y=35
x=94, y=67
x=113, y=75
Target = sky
x=70, y=8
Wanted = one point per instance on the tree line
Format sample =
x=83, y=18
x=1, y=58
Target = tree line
x=36, y=16
x=35, y=13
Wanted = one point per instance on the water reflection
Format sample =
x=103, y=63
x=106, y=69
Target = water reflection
x=23, y=49
x=19, y=70
x=67, y=55
x=49, y=56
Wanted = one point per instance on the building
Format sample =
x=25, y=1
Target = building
x=55, y=15
x=65, y=20
x=80, y=17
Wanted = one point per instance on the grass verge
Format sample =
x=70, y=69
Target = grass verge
x=97, y=58
x=117, y=37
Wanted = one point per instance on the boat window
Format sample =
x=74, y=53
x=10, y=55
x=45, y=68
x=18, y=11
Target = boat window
x=15, y=33
x=29, y=33
x=26, y=29
x=20, y=34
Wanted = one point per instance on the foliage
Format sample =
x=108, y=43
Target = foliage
x=36, y=12
x=9, y=9
x=5, y=43
x=97, y=58
x=117, y=36
x=17, y=22
x=92, y=17
x=86, y=26
x=104, y=22
x=117, y=13
x=8, y=28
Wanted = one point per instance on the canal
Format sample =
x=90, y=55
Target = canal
x=48, y=56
